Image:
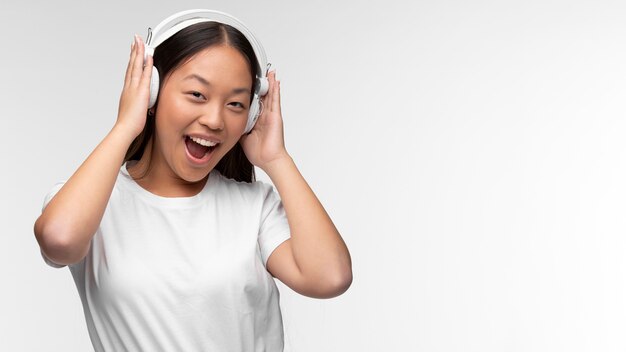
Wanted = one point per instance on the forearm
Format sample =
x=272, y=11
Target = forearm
x=72, y=217
x=318, y=249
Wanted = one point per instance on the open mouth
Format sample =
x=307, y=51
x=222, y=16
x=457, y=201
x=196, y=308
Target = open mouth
x=198, y=149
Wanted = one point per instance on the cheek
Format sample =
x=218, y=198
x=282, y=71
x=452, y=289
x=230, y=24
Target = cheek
x=238, y=124
x=172, y=117
x=235, y=135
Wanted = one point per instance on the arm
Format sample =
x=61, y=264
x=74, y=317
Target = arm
x=67, y=224
x=315, y=261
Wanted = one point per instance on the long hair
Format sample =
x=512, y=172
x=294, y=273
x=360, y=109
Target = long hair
x=175, y=51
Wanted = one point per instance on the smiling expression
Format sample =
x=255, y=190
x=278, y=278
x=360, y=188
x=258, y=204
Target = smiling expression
x=208, y=97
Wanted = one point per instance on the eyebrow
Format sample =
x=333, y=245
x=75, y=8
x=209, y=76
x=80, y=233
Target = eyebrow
x=206, y=83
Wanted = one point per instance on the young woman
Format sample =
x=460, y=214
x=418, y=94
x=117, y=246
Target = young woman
x=176, y=250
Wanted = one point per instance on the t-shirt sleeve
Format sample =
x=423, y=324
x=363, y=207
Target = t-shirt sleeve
x=274, y=228
x=55, y=189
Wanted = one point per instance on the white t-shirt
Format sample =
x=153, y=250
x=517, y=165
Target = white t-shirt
x=183, y=274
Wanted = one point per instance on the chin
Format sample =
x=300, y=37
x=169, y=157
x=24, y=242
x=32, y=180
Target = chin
x=193, y=174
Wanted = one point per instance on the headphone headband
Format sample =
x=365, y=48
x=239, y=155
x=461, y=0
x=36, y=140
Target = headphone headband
x=180, y=20
x=176, y=22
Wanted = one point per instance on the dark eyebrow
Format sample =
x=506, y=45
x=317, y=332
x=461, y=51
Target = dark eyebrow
x=198, y=78
x=206, y=83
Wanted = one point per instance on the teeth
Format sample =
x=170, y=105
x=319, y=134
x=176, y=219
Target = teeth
x=203, y=141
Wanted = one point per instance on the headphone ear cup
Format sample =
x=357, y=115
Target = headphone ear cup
x=253, y=114
x=264, y=86
x=154, y=87
x=256, y=107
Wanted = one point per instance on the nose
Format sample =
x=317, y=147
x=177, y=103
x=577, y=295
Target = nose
x=212, y=117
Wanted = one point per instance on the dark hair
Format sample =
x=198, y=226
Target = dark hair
x=174, y=52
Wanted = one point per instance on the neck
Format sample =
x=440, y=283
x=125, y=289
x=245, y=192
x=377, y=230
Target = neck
x=152, y=173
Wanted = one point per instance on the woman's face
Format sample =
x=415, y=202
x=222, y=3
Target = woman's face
x=207, y=97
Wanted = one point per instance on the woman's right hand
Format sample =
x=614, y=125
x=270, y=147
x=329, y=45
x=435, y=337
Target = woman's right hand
x=133, y=108
x=72, y=217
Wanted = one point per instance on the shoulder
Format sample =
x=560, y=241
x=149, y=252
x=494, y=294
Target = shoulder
x=257, y=197
x=255, y=189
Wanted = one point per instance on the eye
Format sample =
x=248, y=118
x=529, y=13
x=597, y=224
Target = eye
x=237, y=105
x=197, y=95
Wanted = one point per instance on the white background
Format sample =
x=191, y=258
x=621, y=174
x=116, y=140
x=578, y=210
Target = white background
x=469, y=152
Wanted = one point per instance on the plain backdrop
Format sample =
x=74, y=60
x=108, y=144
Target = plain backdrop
x=471, y=153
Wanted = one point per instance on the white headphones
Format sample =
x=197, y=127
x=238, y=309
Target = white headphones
x=180, y=20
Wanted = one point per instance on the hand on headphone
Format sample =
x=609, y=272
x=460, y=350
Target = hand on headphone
x=265, y=143
x=131, y=115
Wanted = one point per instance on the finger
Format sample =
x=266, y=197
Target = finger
x=147, y=72
x=129, y=68
x=270, y=94
x=275, y=93
x=276, y=102
x=138, y=62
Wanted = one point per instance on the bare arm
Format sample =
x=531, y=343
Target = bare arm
x=66, y=226
x=315, y=261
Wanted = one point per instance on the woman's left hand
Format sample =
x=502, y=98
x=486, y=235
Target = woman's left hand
x=266, y=142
